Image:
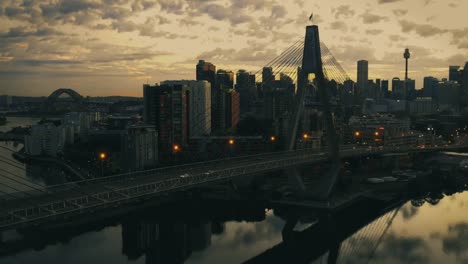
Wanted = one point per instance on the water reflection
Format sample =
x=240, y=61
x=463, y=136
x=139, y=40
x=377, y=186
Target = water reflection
x=201, y=232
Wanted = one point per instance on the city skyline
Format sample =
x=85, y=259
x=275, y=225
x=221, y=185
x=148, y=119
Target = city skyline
x=100, y=49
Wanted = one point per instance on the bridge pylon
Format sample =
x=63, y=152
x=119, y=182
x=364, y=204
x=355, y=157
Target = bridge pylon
x=312, y=75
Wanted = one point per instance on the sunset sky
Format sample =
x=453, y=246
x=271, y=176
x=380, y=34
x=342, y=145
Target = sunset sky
x=112, y=47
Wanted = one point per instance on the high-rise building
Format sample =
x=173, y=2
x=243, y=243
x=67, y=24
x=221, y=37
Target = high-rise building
x=464, y=86
x=140, y=147
x=224, y=82
x=448, y=95
x=430, y=88
x=232, y=109
x=403, y=89
x=454, y=74
x=362, y=77
x=267, y=78
x=225, y=79
x=45, y=139
x=397, y=89
x=246, y=90
x=166, y=107
x=384, y=88
x=206, y=71
x=199, y=106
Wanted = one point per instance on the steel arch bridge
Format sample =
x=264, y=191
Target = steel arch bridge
x=52, y=99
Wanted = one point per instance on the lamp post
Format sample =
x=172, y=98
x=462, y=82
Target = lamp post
x=102, y=157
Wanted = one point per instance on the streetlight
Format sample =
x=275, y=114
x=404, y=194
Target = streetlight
x=176, y=148
x=231, y=142
x=357, y=134
x=305, y=136
x=102, y=157
x=272, y=138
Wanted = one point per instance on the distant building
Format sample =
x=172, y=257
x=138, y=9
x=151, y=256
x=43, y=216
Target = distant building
x=382, y=129
x=401, y=89
x=45, y=139
x=246, y=88
x=449, y=96
x=454, y=74
x=423, y=106
x=199, y=106
x=224, y=81
x=362, y=77
x=140, y=148
x=384, y=88
x=166, y=107
x=430, y=88
x=464, y=85
x=80, y=121
x=206, y=71
x=232, y=109
x=5, y=101
x=267, y=79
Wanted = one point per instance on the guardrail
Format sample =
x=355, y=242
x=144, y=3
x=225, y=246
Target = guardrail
x=125, y=188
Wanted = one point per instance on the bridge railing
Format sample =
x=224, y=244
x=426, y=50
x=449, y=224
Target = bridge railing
x=204, y=167
x=124, y=192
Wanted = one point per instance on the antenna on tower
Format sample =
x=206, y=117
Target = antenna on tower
x=311, y=18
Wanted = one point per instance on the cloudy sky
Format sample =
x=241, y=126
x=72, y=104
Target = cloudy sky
x=112, y=47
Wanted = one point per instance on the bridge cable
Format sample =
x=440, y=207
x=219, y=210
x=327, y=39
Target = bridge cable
x=11, y=164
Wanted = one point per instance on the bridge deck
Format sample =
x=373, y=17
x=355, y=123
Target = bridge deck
x=82, y=196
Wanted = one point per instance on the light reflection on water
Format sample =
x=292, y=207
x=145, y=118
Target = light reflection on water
x=426, y=234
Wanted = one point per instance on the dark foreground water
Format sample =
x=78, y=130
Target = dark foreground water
x=408, y=234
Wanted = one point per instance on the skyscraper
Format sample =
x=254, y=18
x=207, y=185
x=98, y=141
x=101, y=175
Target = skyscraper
x=362, y=77
x=166, y=107
x=454, y=74
x=244, y=88
x=199, y=106
x=384, y=88
x=431, y=86
x=397, y=89
x=224, y=83
x=267, y=78
x=206, y=71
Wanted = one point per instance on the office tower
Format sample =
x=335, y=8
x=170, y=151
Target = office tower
x=464, y=78
x=454, y=74
x=140, y=147
x=347, y=93
x=206, y=71
x=224, y=82
x=430, y=88
x=267, y=78
x=244, y=87
x=397, y=88
x=199, y=107
x=232, y=109
x=224, y=79
x=166, y=107
x=378, y=88
x=448, y=95
x=464, y=85
x=362, y=77
x=384, y=88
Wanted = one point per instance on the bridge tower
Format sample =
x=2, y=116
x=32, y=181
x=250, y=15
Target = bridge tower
x=312, y=75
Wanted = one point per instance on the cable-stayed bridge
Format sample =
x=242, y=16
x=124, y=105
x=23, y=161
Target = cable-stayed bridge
x=315, y=68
